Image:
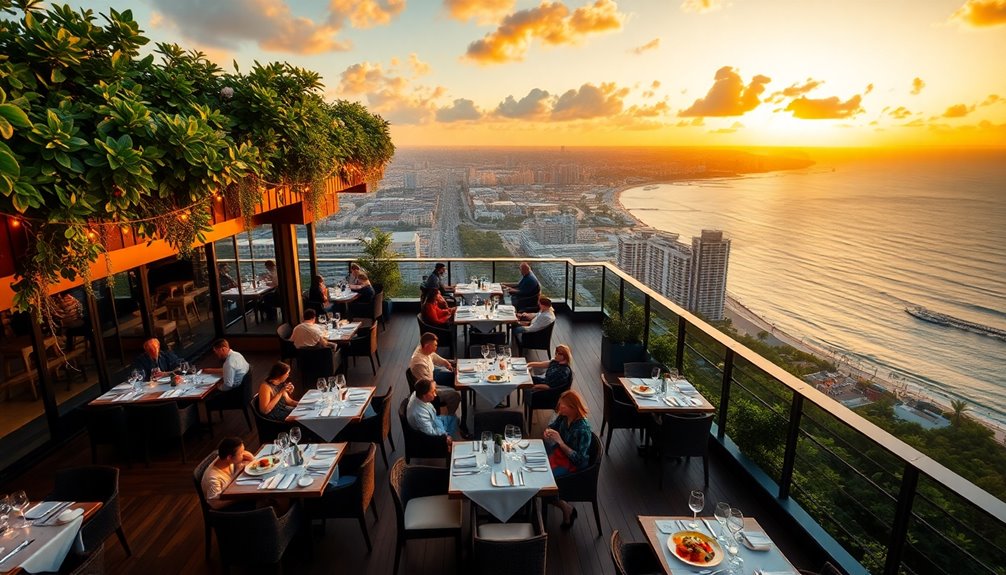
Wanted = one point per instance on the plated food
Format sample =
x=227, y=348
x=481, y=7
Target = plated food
x=643, y=389
x=695, y=548
x=494, y=377
x=262, y=465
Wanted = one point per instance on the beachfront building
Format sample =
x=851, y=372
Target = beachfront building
x=710, y=260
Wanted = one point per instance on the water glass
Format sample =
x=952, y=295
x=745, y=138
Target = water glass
x=336, y=318
x=18, y=502
x=722, y=513
x=485, y=351
x=696, y=502
x=295, y=435
x=5, y=511
x=735, y=524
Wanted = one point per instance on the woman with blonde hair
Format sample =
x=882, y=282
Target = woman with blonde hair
x=568, y=440
x=558, y=372
x=364, y=288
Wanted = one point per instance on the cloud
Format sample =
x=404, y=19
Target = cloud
x=991, y=99
x=869, y=88
x=900, y=113
x=268, y=23
x=364, y=13
x=728, y=96
x=462, y=110
x=536, y=105
x=981, y=13
x=917, y=86
x=700, y=6
x=550, y=23
x=693, y=123
x=390, y=94
x=794, y=91
x=825, y=108
x=419, y=68
x=661, y=108
x=957, y=111
x=482, y=11
x=651, y=45
x=589, y=101
x=733, y=128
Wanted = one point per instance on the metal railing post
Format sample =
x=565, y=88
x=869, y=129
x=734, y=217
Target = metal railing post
x=725, y=384
x=604, y=272
x=448, y=272
x=572, y=302
x=646, y=322
x=792, y=438
x=494, y=270
x=902, y=517
x=679, y=353
x=621, y=295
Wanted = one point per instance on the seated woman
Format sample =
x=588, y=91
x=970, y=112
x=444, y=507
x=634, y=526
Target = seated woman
x=355, y=270
x=567, y=441
x=274, y=399
x=558, y=372
x=318, y=294
x=435, y=312
x=364, y=288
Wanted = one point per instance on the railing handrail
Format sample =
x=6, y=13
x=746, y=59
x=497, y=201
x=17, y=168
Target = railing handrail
x=907, y=454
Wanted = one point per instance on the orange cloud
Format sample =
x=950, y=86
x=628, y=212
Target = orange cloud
x=733, y=128
x=728, y=96
x=917, y=86
x=824, y=108
x=461, y=110
x=482, y=11
x=700, y=6
x=364, y=13
x=651, y=45
x=391, y=95
x=957, y=111
x=991, y=99
x=900, y=113
x=550, y=23
x=536, y=105
x=693, y=123
x=794, y=91
x=589, y=101
x=661, y=108
x=981, y=13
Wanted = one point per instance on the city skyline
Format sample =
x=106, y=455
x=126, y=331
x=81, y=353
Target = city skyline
x=647, y=73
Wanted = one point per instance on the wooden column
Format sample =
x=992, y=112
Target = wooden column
x=288, y=269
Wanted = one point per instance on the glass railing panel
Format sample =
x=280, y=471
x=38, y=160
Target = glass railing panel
x=587, y=290
x=463, y=272
x=758, y=416
x=412, y=279
x=551, y=276
x=703, y=363
x=949, y=535
x=611, y=286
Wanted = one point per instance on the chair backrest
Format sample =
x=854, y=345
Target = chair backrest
x=500, y=557
x=541, y=339
x=642, y=368
x=284, y=331
x=365, y=477
x=251, y=537
x=409, y=482
x=267, y=428
x=247, y=386
x=445, y=336
x=106, y=424
x=364, y=342
x=378, y=303
x=496, y=420
x=618, y=553
x=411, y=379
x=418, y=444
x=315, y=362
x=197, y=478
x=686, y=435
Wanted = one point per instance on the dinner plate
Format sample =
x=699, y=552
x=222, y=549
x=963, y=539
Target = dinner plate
x=643, y=390
x=253, y=468
x=494, y=378
x=672, y=544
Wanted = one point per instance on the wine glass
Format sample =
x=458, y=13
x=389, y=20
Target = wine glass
x=722, y=513
x=655, y=373
x=485, y=351
x=508, y=432
x=340, y=384
x=5, y=511
x=295, y=435
x=485, y=447
x=517, y=436
x=336, y=318
x=696, y=501
x=322, y=385
x=18, y=502
x=735, y=524
x=323, y=318
x=280, y=444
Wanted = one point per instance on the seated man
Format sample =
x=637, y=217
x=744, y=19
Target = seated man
x=436, y=281
x=231, y=457
x=527, y=287
x=309, y=334
x=426, y=364
x=423, y=418
x=531, y=322
x=153, y=361
x=234, y=368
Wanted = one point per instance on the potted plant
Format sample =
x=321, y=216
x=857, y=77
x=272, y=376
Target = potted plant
x=622, y=339
x=381, y=263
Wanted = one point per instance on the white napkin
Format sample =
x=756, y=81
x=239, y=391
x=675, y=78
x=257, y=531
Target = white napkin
x=465, y=462
x=287, y=481
x=666, y=526
x=466, y=369
x=40, y=510
x=69, y=515
x=757, y=540
x=685, y=387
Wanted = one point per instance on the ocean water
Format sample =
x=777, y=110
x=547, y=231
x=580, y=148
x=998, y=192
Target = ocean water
x=834, y=253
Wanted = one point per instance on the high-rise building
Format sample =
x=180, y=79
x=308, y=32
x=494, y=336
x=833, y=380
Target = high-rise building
x=553, y=230
x=669, y=267
x=632, y=255
x=710, y=260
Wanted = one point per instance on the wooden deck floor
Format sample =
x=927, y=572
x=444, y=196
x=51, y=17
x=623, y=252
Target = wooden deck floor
x=163, y=522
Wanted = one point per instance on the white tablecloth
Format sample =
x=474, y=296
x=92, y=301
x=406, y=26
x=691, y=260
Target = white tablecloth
x=47, y=556
x=196, y=386
x=501, y=502
x=771, y=560
x=476, y=316
x=328, y=422
x=494, y=392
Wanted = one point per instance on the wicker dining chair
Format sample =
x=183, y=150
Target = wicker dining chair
x=422, y=508
x=513, y=547
x=352, y=500
x=633, y=558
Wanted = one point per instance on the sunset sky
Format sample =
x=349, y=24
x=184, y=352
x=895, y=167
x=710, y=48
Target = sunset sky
x=629, y=72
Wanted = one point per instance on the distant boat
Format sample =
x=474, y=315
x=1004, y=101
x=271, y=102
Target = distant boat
x=651, y=187
x=947, y=320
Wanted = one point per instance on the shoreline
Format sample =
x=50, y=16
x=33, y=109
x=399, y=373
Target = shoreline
x=750, y=323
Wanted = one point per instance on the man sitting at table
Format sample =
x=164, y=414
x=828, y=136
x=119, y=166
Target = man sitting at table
x=231, y=457
x=435, y=281
x=234, y=368
x=153, y=360
x=423, y=418
x=531, y=322
x=309, y=334
x=527, y=287
x=426, y=364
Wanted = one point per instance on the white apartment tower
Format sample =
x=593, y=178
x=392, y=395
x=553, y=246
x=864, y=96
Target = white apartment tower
x=710, y=259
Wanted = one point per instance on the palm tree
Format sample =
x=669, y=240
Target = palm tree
x=959, y=406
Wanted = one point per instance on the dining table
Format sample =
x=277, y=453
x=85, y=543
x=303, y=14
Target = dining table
x=492, y=385
x=343, y=332
x=755, y=547
x=42, y=546
x=680, y=397
x=321, y=461
x=326, y=417
x=478, y=289
x=501, y=488
x=345, y=296
x=193, y=388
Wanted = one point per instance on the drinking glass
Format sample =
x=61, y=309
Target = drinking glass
x=323, y=318
x=322, y=385
x=696, y=501
x=5, y=511
x=655, y=373
x=485, y=351
x=280, y=445
x=735, y=524
x=18, y=502
x=336, y=318
x=295, y=435
x=722, y=513
x=340, y=384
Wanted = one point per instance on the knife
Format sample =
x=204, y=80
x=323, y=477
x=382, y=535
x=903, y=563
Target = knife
x=521, y=472
x=16, y=549
x=710, y=528
x=55, y=511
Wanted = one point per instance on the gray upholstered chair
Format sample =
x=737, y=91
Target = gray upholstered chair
x=422, y=508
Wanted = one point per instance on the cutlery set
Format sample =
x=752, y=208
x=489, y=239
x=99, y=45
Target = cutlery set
x=51, y=515
x=23, y=544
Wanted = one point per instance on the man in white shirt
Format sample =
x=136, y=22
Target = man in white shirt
x=427, y=364
x=531, y=322
x=235, y=366
x=309, y=334
x=423, y=418
x=231, y=457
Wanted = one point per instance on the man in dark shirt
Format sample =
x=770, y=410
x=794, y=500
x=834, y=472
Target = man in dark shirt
x=153, y=359
x=436, y=281
x=527, y=288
